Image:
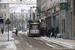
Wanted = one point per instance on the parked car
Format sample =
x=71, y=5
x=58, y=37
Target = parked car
x=14, y=30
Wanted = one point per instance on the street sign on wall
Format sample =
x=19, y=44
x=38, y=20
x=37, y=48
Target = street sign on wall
x=39, y=10
x=42, y=11
x=38, y=15
x=63, y=6
x=8, y=21
x=45, y=14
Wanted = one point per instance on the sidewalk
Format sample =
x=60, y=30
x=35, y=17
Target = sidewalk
x=5, y=44
x=60, y=41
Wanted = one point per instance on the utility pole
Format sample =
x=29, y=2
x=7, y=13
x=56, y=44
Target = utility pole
x=22, y=19
x=30, y=12
x=19, y=22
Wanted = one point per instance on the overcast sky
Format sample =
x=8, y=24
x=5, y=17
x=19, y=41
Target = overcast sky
x=22, y=6
x=24, y=3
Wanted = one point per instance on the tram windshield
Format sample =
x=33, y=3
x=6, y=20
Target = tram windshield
x=34, y=26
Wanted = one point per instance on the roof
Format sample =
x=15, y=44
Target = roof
x=33, y=21
x=4, y=1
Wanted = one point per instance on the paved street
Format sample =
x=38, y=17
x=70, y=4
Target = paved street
x=24, y=42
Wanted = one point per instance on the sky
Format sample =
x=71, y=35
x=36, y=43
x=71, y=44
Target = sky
x=22, y=6
x=19, y=5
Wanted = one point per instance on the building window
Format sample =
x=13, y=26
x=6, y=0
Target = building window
x=4, y=14
x=21, y=0
x=4, y=5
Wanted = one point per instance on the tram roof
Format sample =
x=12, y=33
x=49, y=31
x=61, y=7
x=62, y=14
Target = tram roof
x=33, y=21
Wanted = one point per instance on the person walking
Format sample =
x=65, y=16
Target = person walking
x=55, y=33
x=45, y=31
x=42, y=31
x=16, y=32
x=53, y=29
x=49, y=32
x=2, y=30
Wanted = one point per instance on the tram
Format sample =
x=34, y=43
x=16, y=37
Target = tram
x=34, y=28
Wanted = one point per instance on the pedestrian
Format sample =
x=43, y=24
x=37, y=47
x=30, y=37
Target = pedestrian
x=16, y=32
x=55, y=33
x=42, y=31
x=49, y=32
x=2, y=30
x=53, y=29
x=45, y=31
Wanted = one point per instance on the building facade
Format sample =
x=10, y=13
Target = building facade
x=4, y=12
x=63, y=19
x=71, y=19
x=38, y=5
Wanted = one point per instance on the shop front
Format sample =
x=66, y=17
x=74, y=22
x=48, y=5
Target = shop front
x=48, y=22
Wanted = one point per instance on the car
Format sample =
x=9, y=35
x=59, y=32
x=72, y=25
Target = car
x=14, y=30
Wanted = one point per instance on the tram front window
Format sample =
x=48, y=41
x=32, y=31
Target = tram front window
x=34, y=27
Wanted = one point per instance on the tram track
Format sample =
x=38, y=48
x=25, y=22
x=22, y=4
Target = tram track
x=38, y=44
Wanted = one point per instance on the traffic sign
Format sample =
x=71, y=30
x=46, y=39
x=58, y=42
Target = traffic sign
x=39, y=10
x=38, y=15
x=8, y=21
x=45, y=14
x=42, y=11
x=58, y=4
